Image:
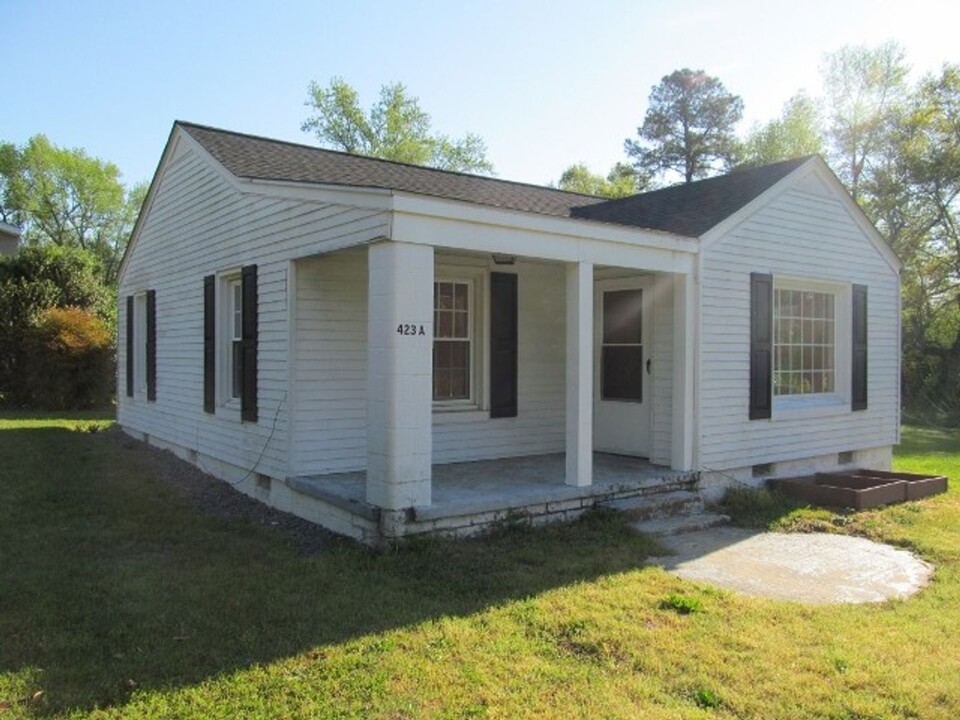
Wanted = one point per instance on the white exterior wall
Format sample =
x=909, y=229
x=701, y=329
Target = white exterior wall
x=330, y=407
x=200, y=223
x=807, y=232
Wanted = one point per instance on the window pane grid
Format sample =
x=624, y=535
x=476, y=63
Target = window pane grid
x=451, y=345
x=804, y=340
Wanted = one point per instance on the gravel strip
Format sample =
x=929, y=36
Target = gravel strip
x=219, y=498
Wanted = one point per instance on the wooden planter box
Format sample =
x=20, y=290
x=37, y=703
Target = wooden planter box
x=918, y=486
x=860, y=489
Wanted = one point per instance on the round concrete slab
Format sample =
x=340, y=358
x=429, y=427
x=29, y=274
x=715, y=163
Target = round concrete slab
x=811, y=568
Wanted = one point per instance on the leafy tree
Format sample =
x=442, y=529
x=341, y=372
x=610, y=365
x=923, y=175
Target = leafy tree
x=923, y=199
x=65, y=197
x=895, y=147
x=8, y=164
x=395, y=128
x=865, y=87
x=621, y=181
x=36, y=279
x=688, y=127
x=797, y=132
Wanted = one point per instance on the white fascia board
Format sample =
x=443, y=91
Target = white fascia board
x=462, y=226
x=574, y=227
x=9, y=229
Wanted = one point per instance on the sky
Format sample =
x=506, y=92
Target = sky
x=544, y=83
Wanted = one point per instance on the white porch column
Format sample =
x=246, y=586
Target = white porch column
x=684, y=319
x=579, y=374
x=399, y=374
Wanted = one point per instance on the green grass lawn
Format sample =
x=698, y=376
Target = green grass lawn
x=118, y=598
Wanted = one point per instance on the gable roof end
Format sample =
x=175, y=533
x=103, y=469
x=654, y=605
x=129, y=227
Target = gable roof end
x=692, y=208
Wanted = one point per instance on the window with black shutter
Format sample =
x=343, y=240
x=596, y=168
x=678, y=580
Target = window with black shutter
x=503, y=345
x=858, y=376
x=209, y=344
x=248, y=372
x=130, y=345
x=761, y=345
x=151, y=345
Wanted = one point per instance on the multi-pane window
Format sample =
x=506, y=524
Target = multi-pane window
x=235, y=332
x=804, y=342
x=451, y=340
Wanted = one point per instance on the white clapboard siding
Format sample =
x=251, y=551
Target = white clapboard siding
x=330, y=426
x=200, y=224
x=804, y=232
x=541, y=404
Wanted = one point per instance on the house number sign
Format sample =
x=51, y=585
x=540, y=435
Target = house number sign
x=410, y=329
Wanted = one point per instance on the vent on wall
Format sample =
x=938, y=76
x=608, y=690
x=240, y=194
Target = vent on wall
x=845, y=458
x=762, y=470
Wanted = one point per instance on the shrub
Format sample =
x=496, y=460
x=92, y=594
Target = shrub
x=32, y=282
x=69, y=360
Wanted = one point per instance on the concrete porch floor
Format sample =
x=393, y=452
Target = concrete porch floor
x=470, y=488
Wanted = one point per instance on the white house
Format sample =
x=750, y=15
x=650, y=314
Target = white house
x=387, y=349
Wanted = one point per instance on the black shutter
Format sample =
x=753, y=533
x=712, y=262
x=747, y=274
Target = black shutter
x=761, y=345
x=151, y=344
x=248, y=396
x=209, y=344
x=858, y=379
x=503, y=345
x=129, y=345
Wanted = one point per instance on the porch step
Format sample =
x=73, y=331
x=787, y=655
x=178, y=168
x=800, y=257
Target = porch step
x=679, y=524
x=657, y=505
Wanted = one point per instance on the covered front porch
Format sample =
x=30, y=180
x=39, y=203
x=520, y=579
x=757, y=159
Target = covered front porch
x=466, y=368
x=644, y=410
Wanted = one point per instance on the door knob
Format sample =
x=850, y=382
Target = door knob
x=648, y=365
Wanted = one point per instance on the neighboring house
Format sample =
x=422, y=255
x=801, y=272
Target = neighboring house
x=388, y=349
x=9, y=238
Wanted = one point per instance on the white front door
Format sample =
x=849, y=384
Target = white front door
x=622, y=366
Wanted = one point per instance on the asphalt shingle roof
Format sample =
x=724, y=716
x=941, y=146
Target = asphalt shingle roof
x=689, y=209
x=692, y=208
x=259, y=158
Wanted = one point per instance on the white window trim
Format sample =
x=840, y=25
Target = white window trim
x=789, y=407
x=478, y=323
x=226, y=280
x=140, y=345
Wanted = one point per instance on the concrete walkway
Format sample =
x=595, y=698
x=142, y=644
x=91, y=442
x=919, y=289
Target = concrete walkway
x=810, y=568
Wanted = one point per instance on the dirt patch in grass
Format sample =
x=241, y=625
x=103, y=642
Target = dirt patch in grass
x=216, y=497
